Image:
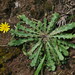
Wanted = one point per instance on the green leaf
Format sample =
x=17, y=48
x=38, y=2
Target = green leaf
x=39, y=26
x=45, y=24
x=52, y=51
x=62, y=45
x=34, y=61
x=12, y=31
x=32, y=56
x=61, y=57
x=30, y=30
x=40, y=66
x=21, y=27
x=23, y=34
x=50, y=62
x=55, y=44
x=63, y=50
x=65, y=36
x=63, y=28
x=53, y=22
x=27, y=21
x=67, y=43
x=34, y=48
x=18, y=25
x=19, y=42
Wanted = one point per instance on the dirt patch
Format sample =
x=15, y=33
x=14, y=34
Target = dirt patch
x=37, y=9
x=20, y=66
x=7, y=54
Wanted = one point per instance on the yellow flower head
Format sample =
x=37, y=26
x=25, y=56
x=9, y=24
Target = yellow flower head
x=4, y=27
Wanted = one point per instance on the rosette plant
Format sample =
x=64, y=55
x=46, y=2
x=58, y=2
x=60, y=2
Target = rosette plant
x=49, y=43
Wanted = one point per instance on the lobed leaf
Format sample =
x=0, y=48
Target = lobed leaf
x=40, y=66
x=52, y=22
x=45, y=24
x=34, y=48
x=64, y=36
x=50, y=62
x=63, y=28
x=67, y=43
x=34, y=61
x=52, y=51
x=27, y=21
x=63, y=50
x=23, y=34
x=32, y=56
x=19, y=41
x=56, y=47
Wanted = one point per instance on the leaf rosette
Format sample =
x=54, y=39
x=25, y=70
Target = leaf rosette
x=49, y=45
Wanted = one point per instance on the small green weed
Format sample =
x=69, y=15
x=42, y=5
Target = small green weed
x=50, y=45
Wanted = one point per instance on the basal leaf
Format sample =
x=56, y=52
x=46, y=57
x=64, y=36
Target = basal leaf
x=52, y=22
x=67, y=43
x=52, y=51
x=34, y=48
x=50, y=62
x=45, y=24
x=19, y=42
x=65, y=36
x=63, y=28
x=23, y=34
x=32, y=56
x=39, y=66
x=27, y=21
x=34, y=61
x=64, y=51
x=55, y=44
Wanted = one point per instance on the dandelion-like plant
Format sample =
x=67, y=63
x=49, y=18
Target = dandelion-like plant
x=49, y=42
x=4, y=27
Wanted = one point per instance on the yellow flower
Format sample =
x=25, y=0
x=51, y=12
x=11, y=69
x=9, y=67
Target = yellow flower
x=4, y=27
